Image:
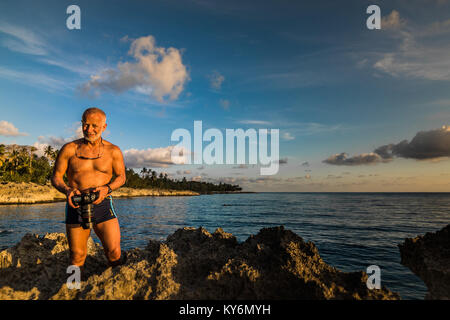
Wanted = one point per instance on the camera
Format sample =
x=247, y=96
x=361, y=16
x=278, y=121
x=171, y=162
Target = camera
x=86, y=209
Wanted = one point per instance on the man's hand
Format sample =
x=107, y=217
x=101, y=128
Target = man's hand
x=103, y=192
x=69, y=194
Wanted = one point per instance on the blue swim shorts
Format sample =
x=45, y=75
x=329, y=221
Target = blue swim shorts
x=103, y=211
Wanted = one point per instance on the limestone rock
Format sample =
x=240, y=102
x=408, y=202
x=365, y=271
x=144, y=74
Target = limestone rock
x=191, y=264
x=428, y=257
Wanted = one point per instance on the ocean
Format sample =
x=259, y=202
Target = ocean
x=351, y=230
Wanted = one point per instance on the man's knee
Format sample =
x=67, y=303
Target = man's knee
x=113, y=254
x=119, y=259
x=78, y=256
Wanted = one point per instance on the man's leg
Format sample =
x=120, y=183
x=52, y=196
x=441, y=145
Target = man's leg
x=77, y=238
x=109, y=234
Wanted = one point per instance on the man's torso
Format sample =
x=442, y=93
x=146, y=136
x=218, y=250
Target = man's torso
x=86, y=173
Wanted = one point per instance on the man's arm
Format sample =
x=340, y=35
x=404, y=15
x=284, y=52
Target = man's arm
x=118, y=169
x=61, y=165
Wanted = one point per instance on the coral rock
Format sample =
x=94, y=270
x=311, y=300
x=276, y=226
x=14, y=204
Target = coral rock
x=428, y=257
x=191, y=264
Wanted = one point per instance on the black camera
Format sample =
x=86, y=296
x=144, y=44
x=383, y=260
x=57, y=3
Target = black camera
x=86, y=209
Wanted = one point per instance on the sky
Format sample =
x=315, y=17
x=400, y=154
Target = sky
x=357, y=109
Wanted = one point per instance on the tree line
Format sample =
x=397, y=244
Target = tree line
x=21, y=164
x=148, y=178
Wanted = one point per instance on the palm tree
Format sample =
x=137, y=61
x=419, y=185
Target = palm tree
x=14, y=160
x=153, y=178
x=2, y=158
x=55, y=154
x=24, y=159
x=30, y=167
x=48, y=152
x=2, y=154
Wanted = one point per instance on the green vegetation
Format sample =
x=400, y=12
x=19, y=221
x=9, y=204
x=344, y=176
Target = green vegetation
x=150, y=179
x=20, y=164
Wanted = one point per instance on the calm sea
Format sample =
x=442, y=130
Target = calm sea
x=351, y=230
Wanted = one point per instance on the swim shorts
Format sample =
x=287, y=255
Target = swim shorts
x=103, y=211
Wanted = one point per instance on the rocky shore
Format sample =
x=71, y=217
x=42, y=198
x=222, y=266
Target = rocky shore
x=428, y=257
x=190, y=264
x=30, y=193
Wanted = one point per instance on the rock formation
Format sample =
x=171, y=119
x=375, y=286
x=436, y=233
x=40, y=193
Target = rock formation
x=191, y=264
x=428, y=257
x=30, y=193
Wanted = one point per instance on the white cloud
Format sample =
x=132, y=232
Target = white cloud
x=436, y=28
x=392, y=21
x=40, y=148
x=216, y=80
x=419, y=53
x=57, y=142
x=157, y=72
x=158, y=157
x=225, y=104
x=255, y=122
x=311, y=128
x=9, y=130
x=22, y=40
x=287, y=136
x=34, y=79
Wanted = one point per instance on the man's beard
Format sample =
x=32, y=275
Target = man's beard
x=92, y=139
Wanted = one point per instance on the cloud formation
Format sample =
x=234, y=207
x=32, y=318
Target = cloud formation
x=158, y=157
x=392, y=21
x=281, y=161
x=342, y=159
x=256, y=122
x=22, y=40
x=157, y=72
x=57, y=142
x=287, y=136
x=9, y=130
x=426, y=145
x=225, y=104
x=216, y=80
x=418, y=53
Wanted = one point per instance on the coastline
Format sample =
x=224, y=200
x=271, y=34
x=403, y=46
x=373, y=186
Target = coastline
x=32, y=193
x=191, y=264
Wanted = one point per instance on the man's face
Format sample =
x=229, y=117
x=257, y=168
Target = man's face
x=93, y=126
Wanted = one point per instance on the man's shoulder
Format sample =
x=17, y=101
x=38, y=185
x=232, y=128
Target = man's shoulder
x=70, y=146
x=111, y=146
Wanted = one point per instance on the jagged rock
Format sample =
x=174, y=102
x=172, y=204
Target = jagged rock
x=428, y=257
x=191, y=264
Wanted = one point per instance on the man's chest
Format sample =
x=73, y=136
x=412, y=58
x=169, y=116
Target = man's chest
x=103, y=165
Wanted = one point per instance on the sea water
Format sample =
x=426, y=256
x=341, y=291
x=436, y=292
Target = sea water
x=351, y=230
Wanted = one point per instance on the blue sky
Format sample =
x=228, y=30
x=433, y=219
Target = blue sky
x=310, y=69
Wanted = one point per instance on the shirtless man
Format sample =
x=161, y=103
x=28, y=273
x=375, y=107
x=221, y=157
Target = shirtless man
x=90, y=163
